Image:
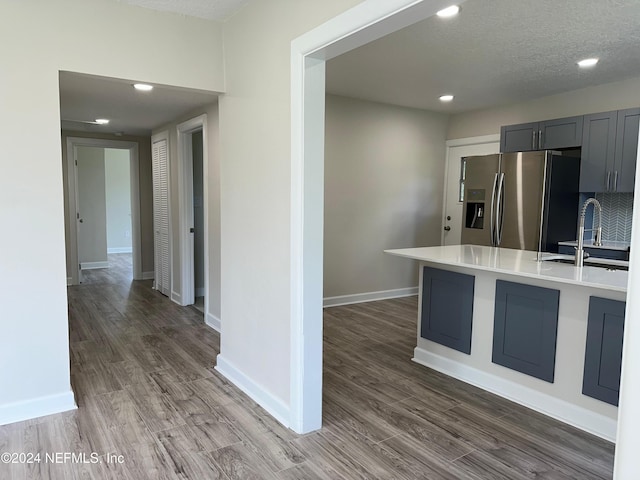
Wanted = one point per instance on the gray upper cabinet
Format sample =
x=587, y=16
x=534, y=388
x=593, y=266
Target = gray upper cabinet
x=598, y=151
x=609, y=151
x=560, y=133
x=519, y=138
x=550, y=134
x=626, y=149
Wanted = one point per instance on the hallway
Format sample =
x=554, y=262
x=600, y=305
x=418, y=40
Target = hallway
x=142, y=371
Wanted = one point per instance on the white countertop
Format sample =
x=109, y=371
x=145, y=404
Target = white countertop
x=606, y=245
x=517, y=262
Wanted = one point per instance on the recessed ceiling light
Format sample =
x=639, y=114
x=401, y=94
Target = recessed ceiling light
x=143, y=87
x=587, y=62
x=102, y=121
x=449, y=11
x=446, y=98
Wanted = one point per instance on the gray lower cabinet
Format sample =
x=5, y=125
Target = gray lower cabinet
x=447, y=308
x=603, y=354
x=525, y=328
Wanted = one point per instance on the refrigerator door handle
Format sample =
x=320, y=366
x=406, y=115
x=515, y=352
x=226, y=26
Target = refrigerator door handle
x=493, y=210
x=499, y=210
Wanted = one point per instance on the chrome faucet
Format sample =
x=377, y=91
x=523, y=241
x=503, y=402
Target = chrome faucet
x=597, y=239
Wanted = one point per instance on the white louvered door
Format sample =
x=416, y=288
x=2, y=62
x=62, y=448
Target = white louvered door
x=160, y=167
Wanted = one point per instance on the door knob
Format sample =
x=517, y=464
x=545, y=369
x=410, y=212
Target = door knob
x=81, y=220
x=447, y=228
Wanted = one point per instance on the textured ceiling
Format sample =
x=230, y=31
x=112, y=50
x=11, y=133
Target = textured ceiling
x=83, y=98
x=219, y=10
x=494, y=52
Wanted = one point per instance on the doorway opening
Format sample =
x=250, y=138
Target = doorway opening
x=193, y=212
x=104, y=206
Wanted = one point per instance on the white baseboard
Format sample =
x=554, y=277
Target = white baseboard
x=120, y=250
x=37, y=407
x=199, y=292
x=212, y=321
x=148, y=275
x=176, y=297
x=69, y=281
x=579, y=417
x=273, y=405
x=93, y=265
x=369, y=297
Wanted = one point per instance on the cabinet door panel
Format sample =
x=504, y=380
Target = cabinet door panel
x=561, y=133
x=525, y=329
x=519, y=138
x=447, y=308
x=598, y=151
x=603, y=354
x=626, y=149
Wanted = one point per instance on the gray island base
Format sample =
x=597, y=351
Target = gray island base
x=545, y=335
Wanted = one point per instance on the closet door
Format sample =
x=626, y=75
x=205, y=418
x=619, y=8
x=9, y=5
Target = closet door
x=160, y=168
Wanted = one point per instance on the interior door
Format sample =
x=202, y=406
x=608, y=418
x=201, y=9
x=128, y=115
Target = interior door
x=160, y=173
x=452, y=211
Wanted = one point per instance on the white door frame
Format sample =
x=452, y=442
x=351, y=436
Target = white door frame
x=185, y=131
x=72, y=199
x=367, y=21
x=460, y=142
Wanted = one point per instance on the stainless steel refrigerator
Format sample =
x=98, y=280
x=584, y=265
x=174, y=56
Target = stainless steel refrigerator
x=525, y=200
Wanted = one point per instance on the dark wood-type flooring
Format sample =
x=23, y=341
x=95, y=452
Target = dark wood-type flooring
x=142, y=371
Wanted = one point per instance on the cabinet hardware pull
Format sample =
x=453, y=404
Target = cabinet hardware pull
x=606, y=187
x=540, y=143
x=533, y=144
x=615, y=181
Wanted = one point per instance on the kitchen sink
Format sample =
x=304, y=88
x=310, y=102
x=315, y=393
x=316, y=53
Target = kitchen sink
x=607, y=263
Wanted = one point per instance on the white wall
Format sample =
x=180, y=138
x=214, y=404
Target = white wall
x=92, y=231
x=117, y=179
x=384, y=167
x=601, y=98
x=40, y=39
x=255, y=140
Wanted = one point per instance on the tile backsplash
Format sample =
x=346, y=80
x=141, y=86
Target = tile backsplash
x=617, y=211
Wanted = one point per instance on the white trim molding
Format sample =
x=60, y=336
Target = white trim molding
x=72, y=198
x=93, y=265
x=362, y=24
x=176, y=298
x=273, y=405
x=369, y=297
x=37, y=407
x=579, y=417
x=120, y=250
x=185, y=130
x=481, y=140
x=212, y=321
x=148, y=275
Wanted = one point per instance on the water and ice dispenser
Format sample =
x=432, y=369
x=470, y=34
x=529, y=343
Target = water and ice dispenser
x=475, y=208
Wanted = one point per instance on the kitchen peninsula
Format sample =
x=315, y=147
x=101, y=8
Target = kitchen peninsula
x=546, y=335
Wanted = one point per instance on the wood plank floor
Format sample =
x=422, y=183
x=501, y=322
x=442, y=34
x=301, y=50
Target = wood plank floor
x=142, y=372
